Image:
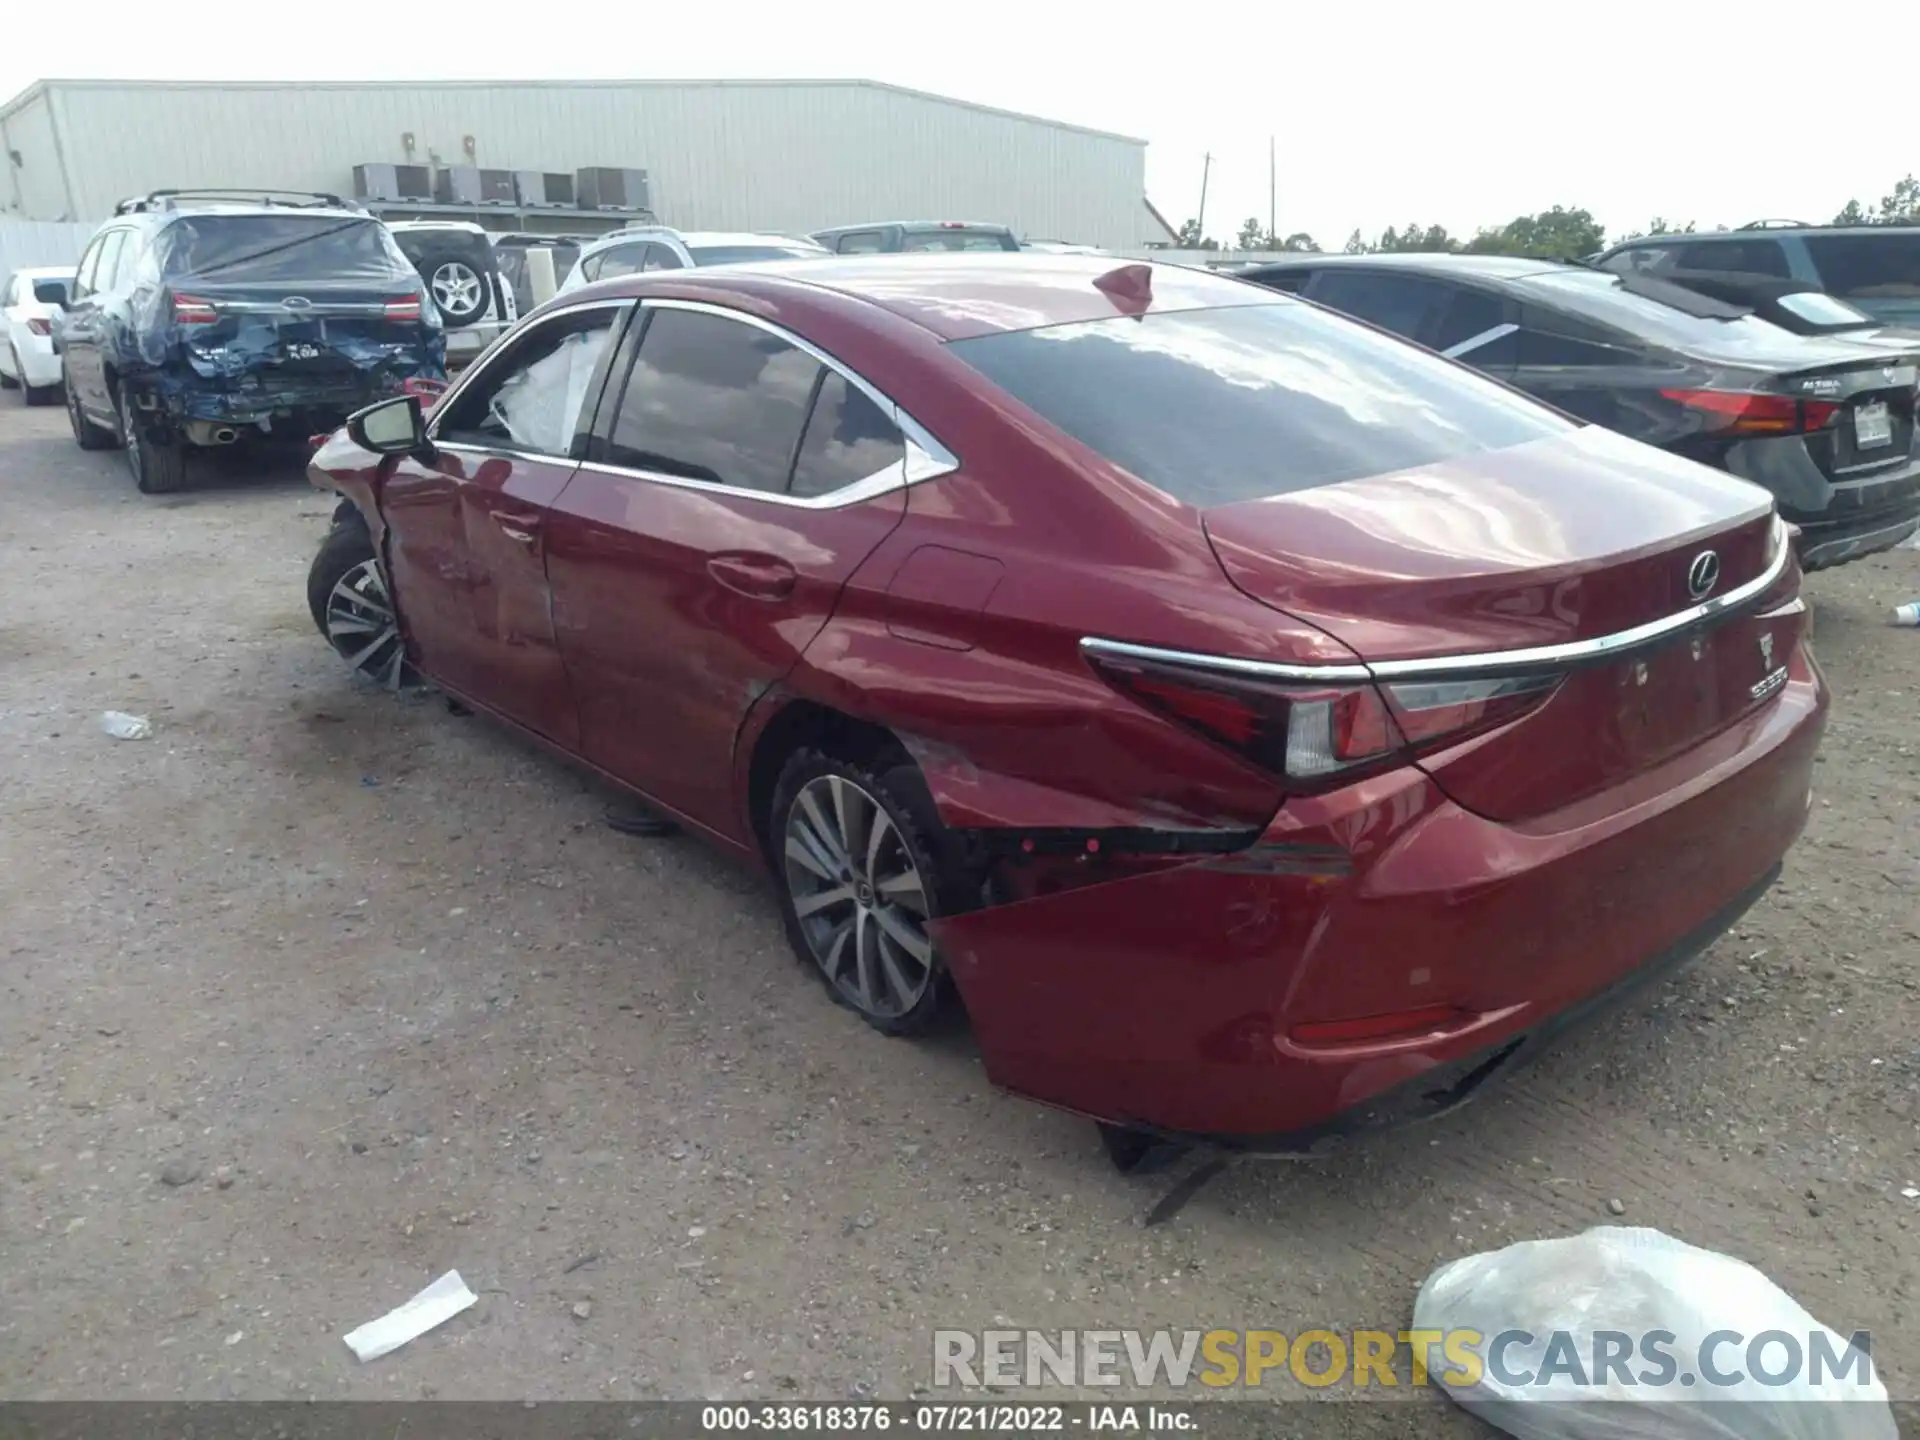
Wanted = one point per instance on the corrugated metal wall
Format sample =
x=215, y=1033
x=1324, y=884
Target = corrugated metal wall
x=722, y=155
x=35, y=242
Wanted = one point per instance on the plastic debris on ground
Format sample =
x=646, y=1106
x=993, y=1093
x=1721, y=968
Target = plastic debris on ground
x=1907, y=614
x=122, y=726
x=1648, y=1303
x=435, y=1305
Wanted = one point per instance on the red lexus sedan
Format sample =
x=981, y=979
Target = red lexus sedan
x=1261, y=725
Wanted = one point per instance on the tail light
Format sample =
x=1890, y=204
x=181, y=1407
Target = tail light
x=37, y=326
x=192, y=310
x=1318, y=736
x=1733, y=412
x=407, y=307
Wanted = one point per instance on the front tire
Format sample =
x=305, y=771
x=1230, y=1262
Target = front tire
x=861, y=872
x=86, y=434
x=159, y=466
x=353, y=608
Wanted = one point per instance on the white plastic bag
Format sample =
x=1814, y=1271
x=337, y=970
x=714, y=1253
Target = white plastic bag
x=1564, y=1377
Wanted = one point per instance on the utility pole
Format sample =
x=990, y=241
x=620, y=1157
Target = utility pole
x=1273, y=236
x=1206, y=167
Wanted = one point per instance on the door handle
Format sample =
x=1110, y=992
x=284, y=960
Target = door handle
x=758, y=577
x=516, y=528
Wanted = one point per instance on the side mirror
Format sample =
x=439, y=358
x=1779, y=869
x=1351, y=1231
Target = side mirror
x=392, y=427
x=51, y=292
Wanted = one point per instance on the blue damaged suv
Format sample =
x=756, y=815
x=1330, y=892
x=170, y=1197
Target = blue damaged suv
x=200, y=318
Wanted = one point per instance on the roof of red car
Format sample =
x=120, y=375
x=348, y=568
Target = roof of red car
x=963, y=294
x=978, y=293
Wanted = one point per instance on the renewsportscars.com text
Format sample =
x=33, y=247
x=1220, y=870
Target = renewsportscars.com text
x=1320, y=1358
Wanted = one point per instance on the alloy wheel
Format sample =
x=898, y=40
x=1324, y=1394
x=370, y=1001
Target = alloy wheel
x=361, y=625
x=859, y=897
x=456, y=286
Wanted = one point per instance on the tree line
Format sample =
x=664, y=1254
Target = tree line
x=1561, y=233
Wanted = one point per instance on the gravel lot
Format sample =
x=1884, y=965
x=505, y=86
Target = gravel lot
x=375, y=985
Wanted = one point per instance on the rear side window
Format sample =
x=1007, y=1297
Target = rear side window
x=715, y=400
x=848, y=439
x=1400, y=303
x=739, y=254
x=1869, y=266
x=1216, y=406
x=1549, y=340
x=1470, y=327
x=1738, y=257
x=862, y=242
x=249, y=248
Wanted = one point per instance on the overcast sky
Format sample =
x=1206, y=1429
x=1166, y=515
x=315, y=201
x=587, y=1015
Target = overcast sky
x=1463, y=113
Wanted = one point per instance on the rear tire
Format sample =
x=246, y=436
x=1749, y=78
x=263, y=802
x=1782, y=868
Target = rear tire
x=7, y=382
x=86, y=434
x=40, y=394
x=159, y=466
x=352, y=606
x=860, y=866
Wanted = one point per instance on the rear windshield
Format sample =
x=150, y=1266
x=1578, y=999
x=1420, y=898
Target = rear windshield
x=1818, y=309
x=1676, y=321
x=1214, y=406
x=273, y=247
x=958, y=240
x=738, y=254
x=1869, y=267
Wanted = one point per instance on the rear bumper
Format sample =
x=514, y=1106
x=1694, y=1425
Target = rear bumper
x=1825, y=545
x=39, y=365
x=1168, y=1002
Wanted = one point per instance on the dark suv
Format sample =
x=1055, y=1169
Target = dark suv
x=200, y=317
x=1826, y=422
x=1874, y=267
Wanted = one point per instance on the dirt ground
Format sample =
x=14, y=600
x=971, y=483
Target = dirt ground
x=388, y=998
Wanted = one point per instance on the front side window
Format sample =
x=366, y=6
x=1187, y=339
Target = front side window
x=531, y=398
x=1400, y=303
x=714, y=400
x=89, y=267
x=107, y=275
x=1217, y=406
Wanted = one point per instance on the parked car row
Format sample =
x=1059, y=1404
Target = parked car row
x=1818, y=407
x=1262, y=725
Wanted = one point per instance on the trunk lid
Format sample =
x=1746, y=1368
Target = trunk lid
x=1570, y=539
x=316, y=332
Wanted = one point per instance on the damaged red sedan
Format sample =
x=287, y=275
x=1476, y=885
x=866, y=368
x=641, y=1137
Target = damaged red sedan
x=1262, y=726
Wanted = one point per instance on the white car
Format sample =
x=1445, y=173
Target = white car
x=27, y=359
x=660, y=247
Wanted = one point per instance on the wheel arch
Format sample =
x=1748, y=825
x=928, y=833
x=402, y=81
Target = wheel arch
x=797, y=723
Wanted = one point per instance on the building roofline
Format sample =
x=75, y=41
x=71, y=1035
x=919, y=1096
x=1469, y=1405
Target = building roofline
x=1159, y=219
x=40, y=86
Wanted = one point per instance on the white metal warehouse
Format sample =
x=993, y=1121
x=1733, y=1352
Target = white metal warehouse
x=783, y=155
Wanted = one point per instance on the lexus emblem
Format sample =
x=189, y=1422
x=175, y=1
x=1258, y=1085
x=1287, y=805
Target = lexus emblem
x=297, y=302
x=1703, y=574
x=1766, y=651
